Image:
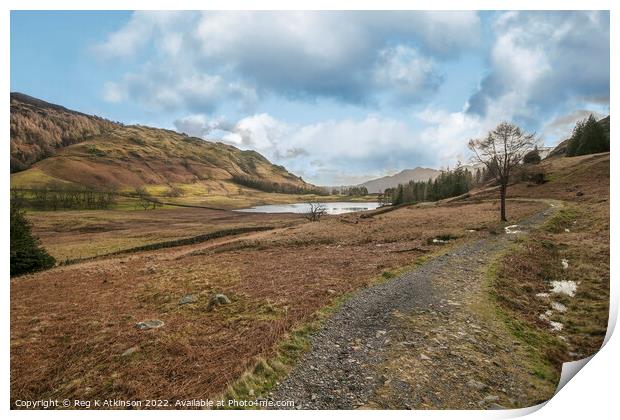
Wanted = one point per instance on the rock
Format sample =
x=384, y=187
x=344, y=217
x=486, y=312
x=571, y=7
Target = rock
x=380, y=333
x=579, y=194
x=188, y=299
x=424, y=357
x=477, y=385
x=150, y=324
x=331, y=291
x=130, y=351
x=151, y=269
x=217, y=300
x=491, y=398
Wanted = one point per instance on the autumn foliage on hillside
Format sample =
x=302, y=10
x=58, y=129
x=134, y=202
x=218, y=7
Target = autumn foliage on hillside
x=39, y=128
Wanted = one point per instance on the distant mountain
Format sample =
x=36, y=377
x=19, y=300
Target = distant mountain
x=418, y=174
x=52, y=145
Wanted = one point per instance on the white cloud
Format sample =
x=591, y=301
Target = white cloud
x=345, y=151
x=542, y=60
x=542, y=66
x=405, y=72
x=113, y=92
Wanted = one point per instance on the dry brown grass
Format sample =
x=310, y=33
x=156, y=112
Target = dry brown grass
x=588, y=174
x=70, y=325
x=84, y=234
x=578, y=233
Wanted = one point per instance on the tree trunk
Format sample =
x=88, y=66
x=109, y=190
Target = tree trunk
x=502, y=202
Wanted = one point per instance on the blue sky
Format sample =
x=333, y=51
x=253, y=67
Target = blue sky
x=337, y=97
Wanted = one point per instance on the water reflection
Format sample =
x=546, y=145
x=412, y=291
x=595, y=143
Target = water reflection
x=338, y=207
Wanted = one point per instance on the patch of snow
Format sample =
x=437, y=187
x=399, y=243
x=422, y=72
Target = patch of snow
x=567, y=230
x=556, y=326
x=471, y=230
x=567, y=287
x=548, y=312
x=542, y=295
x=439, y=241
x=557, y=306
x=564, y=264
x=512, y=229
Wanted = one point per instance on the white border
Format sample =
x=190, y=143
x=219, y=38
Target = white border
x=592, y=394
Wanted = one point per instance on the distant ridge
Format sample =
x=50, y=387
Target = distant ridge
x=418, y=174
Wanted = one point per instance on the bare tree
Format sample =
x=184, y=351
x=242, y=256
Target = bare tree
x=315, y=211
x=500, y=151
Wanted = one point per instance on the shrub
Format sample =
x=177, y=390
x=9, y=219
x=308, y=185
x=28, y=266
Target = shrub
x=532, y=157
x=532, y=173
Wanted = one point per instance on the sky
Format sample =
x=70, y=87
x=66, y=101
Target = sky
x=336, y=97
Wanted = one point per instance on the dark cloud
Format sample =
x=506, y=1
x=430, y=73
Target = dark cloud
x=199, y=60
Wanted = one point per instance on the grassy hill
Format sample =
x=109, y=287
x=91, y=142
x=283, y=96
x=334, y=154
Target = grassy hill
x=51, y=146
x=561, y=148
x=38, y=128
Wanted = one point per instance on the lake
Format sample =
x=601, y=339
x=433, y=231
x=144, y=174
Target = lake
x=337, y=207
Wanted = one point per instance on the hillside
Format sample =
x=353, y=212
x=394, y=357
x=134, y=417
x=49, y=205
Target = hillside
x=51, y=145
x=403, y=177
x=38, y=128
x=560, y=149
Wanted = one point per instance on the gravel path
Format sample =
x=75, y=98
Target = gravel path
x=340, y=370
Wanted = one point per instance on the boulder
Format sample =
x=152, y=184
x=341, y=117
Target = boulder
x=188, y=299
x=217, y=300
x=150, y=324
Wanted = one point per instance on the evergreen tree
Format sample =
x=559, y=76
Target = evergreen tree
x=588, y=137
x=447, y=184
x=26, y=254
